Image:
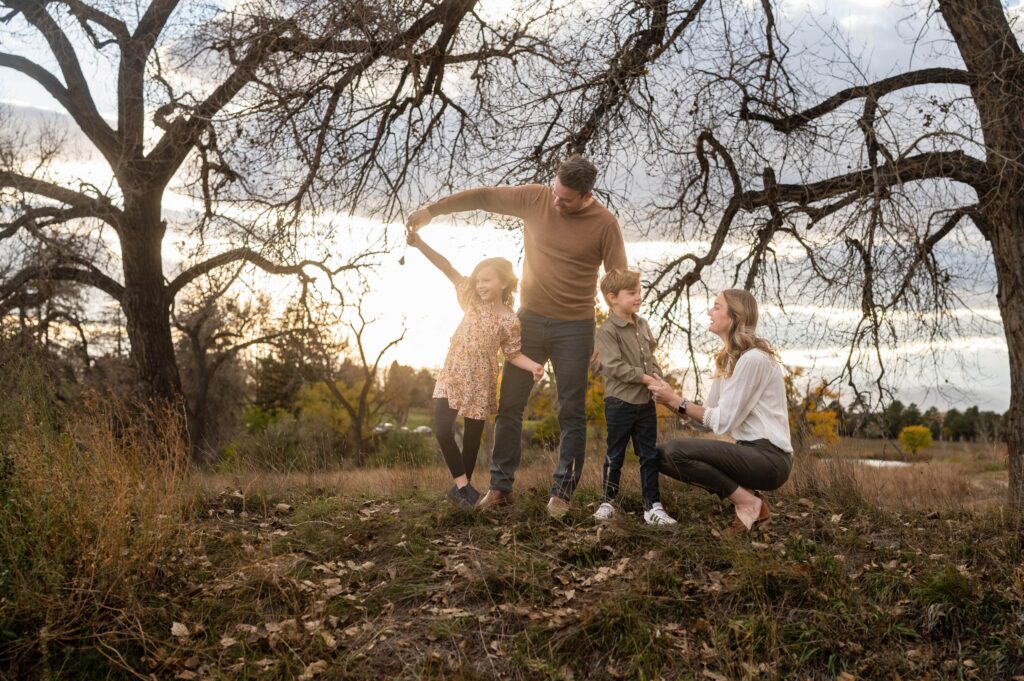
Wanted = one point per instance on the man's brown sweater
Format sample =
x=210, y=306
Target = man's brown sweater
x=563, y=252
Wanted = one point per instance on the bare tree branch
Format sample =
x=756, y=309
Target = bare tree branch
x=89, y=276
x=98, y=207
x=264, y=263
x=77, y=97
x=786, y=124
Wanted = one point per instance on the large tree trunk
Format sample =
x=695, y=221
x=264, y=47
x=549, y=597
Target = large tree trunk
x=1007, y=235
x=358, y=442
x=146, y=308
x=991, y=52
x=197, y=416
x=992, y=55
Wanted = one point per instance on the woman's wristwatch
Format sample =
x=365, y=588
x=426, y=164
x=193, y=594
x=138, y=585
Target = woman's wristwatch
x=681, y=409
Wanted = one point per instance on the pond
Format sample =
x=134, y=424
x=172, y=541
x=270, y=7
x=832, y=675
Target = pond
x=881, y=463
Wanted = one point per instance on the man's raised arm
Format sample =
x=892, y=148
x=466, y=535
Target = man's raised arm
x=504, y=200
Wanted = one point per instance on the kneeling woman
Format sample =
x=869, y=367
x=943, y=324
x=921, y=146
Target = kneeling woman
x=747, y=401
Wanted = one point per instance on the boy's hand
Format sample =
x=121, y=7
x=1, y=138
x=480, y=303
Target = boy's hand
x=650, y=380
x=412, y=238
x=538, y=372
x=417, y=219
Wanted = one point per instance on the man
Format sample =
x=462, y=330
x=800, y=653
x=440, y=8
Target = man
x=567, y=236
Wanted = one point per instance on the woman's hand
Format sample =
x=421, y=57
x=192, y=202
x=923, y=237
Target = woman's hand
x=663, y=394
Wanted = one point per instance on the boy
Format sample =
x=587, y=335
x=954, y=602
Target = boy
x=626, y=346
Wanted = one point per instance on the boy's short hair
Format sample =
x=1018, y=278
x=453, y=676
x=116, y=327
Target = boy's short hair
x=617, y=280
x=577, y=173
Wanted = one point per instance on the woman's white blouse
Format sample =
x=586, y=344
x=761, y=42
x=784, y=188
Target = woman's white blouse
x=750, y=404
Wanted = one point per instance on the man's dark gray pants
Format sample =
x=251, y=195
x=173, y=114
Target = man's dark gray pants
x=569, y=345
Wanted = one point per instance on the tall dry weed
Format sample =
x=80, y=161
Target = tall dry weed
x=91, y=502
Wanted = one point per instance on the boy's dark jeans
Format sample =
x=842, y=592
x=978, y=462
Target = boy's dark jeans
x=639, y=423
x=568, y=344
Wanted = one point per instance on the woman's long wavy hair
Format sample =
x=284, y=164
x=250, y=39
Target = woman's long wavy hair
x=503, y=268
x=742, y=309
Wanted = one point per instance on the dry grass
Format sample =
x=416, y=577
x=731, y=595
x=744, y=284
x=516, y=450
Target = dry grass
x=90, y=508
x=957, y=476
x=107, y=538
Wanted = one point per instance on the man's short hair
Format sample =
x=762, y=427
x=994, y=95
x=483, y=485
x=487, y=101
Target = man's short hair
x=618, y=280
x=577, y=173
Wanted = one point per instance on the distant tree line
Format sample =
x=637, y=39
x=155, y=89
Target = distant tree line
x=970, y=425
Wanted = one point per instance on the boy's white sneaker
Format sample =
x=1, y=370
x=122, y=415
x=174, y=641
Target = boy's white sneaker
x=604, y=511
x=658, y=516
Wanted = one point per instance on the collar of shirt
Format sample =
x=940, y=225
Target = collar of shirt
x=619, y=321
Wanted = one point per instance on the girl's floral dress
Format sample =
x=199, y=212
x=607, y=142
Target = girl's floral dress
x=469, y=378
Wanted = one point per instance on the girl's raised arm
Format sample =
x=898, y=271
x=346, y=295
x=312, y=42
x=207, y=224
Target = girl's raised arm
x=438, y=260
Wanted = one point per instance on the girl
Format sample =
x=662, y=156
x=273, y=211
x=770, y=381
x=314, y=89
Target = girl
x=468, y=382
x=748, y=401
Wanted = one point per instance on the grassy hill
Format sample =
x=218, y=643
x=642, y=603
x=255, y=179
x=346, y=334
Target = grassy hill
x=307, y=577
x=118, y=560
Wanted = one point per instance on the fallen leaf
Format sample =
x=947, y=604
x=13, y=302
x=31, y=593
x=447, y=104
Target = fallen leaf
x=313, y=669
x=329, y=640
x=179, y=630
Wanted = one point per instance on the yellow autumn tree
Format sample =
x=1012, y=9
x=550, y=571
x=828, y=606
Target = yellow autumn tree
x=916, y=438
x=810, y=419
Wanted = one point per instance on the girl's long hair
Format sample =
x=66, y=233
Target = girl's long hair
x=742, y=309
x=508, y=278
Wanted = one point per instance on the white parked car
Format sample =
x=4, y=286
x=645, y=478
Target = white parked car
x=382, y=428
x=422, y=430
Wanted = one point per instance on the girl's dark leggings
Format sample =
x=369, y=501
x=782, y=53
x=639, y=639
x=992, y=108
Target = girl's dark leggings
x=459, y=463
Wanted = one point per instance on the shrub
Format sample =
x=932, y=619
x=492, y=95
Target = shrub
x=546, y=432
x=285, y=444
x=90, y=507
x=399, y=448
x=916, y=438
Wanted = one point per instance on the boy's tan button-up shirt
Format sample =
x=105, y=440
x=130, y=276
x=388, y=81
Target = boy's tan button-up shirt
x=626, y=349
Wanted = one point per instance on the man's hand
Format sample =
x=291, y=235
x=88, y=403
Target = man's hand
x=417, y=219
x=411, y=237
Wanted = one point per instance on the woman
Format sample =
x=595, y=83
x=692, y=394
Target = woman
x=747, y=401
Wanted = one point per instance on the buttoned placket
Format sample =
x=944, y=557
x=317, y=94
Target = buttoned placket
x=640, y=346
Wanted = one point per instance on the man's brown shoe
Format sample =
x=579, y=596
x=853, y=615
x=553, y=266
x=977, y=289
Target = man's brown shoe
x=557, y=507
x=493, y=499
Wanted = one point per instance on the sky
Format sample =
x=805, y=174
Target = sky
x=417, y=298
